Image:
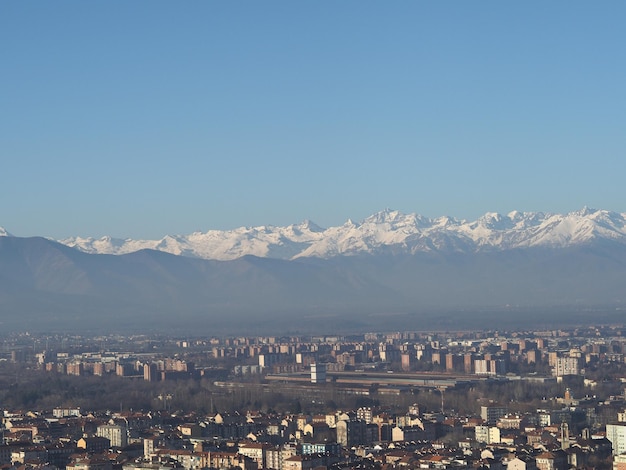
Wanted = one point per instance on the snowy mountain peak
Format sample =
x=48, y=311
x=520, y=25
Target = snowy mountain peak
x=495, y=221
x=585, y=212
x=310, y=226
x=491, y=218
x=387, y=231
x=385, y=216
x=445, y=221
x=515, y=216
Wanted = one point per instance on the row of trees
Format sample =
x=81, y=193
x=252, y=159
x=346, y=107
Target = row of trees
x=22, y=388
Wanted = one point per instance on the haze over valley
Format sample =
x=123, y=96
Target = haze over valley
x=389, y=270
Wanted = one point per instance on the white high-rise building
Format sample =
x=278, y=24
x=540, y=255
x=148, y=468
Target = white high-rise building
x=487, y=434
x=318, y=373
x=566, y=366
x=616, y=433
x=490, y=414
x=115, y=433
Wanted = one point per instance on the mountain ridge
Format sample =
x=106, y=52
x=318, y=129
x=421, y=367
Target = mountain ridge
x=50, y=286
x=387, y=231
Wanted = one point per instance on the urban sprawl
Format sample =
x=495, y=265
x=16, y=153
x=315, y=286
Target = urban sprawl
x=552, y=399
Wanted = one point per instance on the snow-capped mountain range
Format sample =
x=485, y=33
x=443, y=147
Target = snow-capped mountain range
x=391, y=270
x=388, y=231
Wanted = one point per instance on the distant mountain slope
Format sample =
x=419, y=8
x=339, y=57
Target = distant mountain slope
x=46, y=280
x=48, y=286
x=388, y=232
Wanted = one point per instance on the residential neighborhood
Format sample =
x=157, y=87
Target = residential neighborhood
x=484, y=399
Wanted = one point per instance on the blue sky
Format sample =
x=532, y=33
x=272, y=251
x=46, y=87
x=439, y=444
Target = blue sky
x=140, y=119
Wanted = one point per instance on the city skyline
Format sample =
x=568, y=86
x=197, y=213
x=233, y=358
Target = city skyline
x=141, y=120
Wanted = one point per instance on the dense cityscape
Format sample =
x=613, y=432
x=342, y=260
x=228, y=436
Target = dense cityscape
x=550, y=399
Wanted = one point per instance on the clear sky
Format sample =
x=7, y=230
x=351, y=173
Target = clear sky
x=145, y=118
